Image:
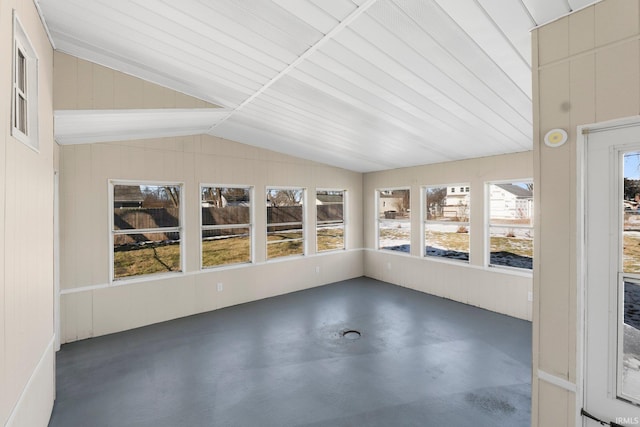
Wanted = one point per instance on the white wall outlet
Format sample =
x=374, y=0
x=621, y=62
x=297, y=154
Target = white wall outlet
x=529, y=296
x=317, y=269
x=388, y=266
x=220, y=286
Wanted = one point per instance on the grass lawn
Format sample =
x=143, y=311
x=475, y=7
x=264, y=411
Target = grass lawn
x=137, y=261
x=146, y=260
x=631, y=251
x=235, y=250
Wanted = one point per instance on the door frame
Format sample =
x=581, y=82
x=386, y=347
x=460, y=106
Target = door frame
x=581, y=310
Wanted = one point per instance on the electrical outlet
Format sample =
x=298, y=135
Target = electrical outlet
x=317, y=269
x=529, y=296
x=388, y=266
x=220, y=286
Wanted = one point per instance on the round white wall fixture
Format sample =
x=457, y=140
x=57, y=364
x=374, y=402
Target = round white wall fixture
x=555, y=138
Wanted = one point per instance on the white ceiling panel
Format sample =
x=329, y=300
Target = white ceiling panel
x=339, y=9
x=544, y=11
x=430, y=71
x=474, y=20
x=510, y=18
x=360, y=84
x=309, y=13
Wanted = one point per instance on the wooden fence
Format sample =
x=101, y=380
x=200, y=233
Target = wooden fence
x=146, y=218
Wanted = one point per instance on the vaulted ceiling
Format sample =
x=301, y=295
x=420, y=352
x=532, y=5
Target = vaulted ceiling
x=360, y=84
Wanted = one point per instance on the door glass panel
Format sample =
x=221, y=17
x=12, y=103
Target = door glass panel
x=631, y=204
x=629, y=295
x=629, y=363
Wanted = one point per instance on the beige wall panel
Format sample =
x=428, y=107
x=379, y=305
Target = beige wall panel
x=37, y=402
x=123, y=307
x=555, y=241
x=582, y=77
x=128, y=91
x=113, y=310
x=554, y=42
x=191, y=143
x=488, y=289
x=26, y=264
x=84, y=85
x=103, y=88
x=581, y=31
x=615, y=20
x=101, y=161
x=67, y=211
x=554, y=404
x=163, y=300
x=65, y=79
x=617, y=81
x=76, y=316
x=84, y=207
x=186, y=101
x=555, y=107
x=156, y=96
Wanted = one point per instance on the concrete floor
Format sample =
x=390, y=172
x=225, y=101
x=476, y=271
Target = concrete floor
x=420, y=361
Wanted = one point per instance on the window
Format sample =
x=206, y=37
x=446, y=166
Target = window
x=394, y=220
x=285, y=222
x=146, y=229
x=628, y=368
x=24, y=94
x=511, y=224
x=446, y=222
x=226, y=225
x=329, y=220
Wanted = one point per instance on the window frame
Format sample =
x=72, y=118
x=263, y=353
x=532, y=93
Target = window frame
x=250, y=225
x=22, y=44
x=343, y=222
x=488, y=226
x=379, y=220
x=303, y=223
x=112, y=233
x=426, y=222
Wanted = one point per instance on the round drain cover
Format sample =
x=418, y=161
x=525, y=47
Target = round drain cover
x=351, y=335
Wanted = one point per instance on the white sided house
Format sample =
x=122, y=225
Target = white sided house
x=510, y=201
x=456, y=204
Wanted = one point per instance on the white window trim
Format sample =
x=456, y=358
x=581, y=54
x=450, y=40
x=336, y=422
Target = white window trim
x=181, y=229
x=305, y=241
x=344, y=220
x=487, y=227
x=250, y=225
x=22, y=42
x=424, y=221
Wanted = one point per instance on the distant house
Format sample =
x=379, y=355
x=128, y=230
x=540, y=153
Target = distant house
x=209, y=200
x=456, y=204
x=127, y=196
x=392, y=200
x=510, y=201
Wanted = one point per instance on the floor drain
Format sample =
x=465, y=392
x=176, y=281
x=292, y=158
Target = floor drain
x=351, y=335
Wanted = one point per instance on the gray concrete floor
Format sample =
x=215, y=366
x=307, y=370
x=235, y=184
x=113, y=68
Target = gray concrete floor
x=420, y=361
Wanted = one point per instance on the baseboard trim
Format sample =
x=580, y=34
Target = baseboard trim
x=15, y=412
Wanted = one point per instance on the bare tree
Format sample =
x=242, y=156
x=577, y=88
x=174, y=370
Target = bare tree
x=285, y=197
